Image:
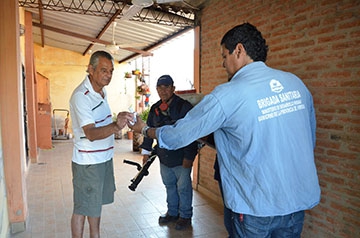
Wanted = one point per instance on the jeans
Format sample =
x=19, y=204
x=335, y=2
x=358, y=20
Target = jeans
x=179, y=193
x=289, y=226
x=227, y=214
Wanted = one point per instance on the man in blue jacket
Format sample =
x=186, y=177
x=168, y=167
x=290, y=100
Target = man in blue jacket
x=175, y=165
x=264, y=127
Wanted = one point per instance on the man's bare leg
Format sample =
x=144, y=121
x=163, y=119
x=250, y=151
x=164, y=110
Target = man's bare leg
x=77, y=225
x=94, y=224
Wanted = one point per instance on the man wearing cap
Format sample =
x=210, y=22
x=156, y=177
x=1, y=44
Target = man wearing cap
x=175, y=165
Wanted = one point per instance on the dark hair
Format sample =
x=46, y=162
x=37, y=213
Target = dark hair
x=250, y=38
x=94, y=59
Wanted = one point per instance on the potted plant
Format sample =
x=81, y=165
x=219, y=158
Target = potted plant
x=130, y=134
x=144, y=115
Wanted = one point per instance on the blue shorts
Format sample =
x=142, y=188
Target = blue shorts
x=94, y=186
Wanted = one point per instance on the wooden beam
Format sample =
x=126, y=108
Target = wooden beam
x=158, y=44
x=112, y=19
x=88, y=38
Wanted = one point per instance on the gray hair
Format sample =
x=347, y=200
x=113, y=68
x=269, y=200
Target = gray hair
x=94, y=59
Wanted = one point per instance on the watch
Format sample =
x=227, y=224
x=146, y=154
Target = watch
x=144, y=131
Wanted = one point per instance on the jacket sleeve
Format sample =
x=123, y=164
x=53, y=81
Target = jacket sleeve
x=191, y=150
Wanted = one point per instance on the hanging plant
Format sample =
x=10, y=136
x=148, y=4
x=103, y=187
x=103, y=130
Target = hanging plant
x=143, y=89
x=136, y=72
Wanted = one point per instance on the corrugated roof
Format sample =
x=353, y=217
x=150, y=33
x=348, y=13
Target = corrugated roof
x=76, y=24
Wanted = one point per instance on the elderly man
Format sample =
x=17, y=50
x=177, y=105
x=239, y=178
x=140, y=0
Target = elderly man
x=92, y=165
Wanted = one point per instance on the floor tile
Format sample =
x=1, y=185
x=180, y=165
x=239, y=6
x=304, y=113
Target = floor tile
x=133, y=213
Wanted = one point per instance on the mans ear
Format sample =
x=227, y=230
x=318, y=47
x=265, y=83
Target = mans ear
x=239, y=49
x=90, y=69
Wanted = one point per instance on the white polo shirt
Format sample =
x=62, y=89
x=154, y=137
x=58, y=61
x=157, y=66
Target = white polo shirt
x=88, y=107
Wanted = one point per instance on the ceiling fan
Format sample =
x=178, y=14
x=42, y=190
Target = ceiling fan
x=114, y=47
x=138, y=5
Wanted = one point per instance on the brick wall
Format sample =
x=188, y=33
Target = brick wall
x=320, y=42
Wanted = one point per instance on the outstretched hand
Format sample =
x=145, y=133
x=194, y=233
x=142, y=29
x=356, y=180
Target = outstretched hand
x=123, y=118
x=138, y=125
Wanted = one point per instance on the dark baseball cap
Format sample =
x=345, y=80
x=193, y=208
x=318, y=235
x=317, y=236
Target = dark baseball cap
x=165, y=80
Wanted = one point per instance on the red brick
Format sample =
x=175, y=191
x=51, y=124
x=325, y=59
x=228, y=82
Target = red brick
x=342, y=154
x=320, y=42
x=346, y=191
x=350, y=24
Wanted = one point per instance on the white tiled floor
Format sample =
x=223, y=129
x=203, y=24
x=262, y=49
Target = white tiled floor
x=133, y=214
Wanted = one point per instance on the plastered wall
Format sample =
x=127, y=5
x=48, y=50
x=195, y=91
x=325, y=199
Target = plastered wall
x=66, y=70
